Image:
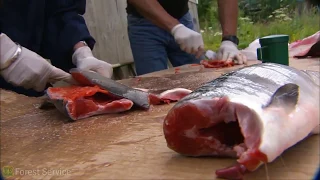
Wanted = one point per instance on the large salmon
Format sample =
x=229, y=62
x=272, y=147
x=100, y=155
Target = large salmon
x=253, y=114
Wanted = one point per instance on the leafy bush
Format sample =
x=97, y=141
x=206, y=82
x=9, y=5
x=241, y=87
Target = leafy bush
x=281, y=18
x=258, y=10
x=208, y=13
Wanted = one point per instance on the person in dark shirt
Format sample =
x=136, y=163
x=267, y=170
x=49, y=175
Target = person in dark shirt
x=163, y=29
x=32, y=31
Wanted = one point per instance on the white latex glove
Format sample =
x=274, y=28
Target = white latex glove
x=228, y=51
x=210, y=54
x=84, y=59
x=190, y=41
x=29, y=70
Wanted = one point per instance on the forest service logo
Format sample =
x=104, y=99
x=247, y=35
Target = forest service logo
x=7, y=171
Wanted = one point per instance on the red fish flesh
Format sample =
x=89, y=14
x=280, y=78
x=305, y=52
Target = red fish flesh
x=79, y=102
x=82, y=102
x=253, y=114
x=309, y=46
x=216, y=63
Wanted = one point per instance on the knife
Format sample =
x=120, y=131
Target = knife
x=89, y=78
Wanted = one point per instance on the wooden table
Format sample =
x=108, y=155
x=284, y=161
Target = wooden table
x=40, y=144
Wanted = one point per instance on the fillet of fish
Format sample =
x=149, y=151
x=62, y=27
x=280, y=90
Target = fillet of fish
x=79, y=102
x=253, y=114
x=308, y=46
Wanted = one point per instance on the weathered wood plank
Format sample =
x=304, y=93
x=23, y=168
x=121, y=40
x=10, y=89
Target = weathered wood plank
x=107, y=22
x=193, y=9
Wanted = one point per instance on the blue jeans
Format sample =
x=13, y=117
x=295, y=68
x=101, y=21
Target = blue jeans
x=152, y=46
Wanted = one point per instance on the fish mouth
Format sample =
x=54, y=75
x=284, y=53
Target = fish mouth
x=215, y=127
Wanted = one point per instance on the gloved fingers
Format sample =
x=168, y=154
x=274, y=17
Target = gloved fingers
x=30, y=83
x=15, y=78
x=192, y=42
x=39, y=78
x=101, y=68
x=200, y=51
x=219, y=55
x=199, y=48
x=244, y=59
x=41, y=86
x=104, y=72
x=196, y=44
x=230, y=58
x=194, y=50
x=183, y=47
x=225, y=56
x=60, y=75
x=69, y=79
x=239, y=59
x=188, y=48
x=179, y=41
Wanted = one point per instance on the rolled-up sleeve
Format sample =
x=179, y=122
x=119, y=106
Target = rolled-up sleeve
x=68, y=15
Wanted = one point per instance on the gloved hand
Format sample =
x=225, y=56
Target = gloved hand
x=29, y=70
x=84, y=59
x=228, y=51
x=190, y=41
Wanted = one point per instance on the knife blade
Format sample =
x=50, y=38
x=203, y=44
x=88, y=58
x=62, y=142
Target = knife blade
x=138, y=97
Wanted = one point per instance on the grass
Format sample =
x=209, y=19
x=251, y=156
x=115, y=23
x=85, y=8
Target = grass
x=297, y=27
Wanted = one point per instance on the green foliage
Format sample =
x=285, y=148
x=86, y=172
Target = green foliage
x=208, y=13
x=258, y=10
x=281, y=17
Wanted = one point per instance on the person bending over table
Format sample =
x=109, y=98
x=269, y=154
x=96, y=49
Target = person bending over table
x=163, y=29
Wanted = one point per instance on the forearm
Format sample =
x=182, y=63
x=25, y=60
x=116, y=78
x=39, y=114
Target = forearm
x=153, y=11
x=75, y=31
x=228, y=16
x=72, y=27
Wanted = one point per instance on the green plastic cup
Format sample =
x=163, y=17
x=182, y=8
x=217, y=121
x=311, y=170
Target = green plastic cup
x=274, y=49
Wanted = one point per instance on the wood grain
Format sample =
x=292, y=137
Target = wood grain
x=128, y=145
